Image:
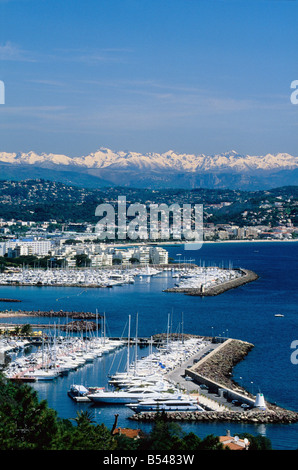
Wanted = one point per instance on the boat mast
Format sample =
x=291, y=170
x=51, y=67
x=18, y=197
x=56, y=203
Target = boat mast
x=96, y=323
x=104, y=328
x=128, y=344
x=168, y=331
x=136, y=345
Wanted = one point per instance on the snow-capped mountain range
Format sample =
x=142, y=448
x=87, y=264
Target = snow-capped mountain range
x=104, y=158
x=167, y=169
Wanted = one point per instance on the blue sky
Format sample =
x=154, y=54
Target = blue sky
x=194, y=76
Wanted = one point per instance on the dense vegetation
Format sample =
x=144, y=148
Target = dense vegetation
x=39, y=200
x=29, y=424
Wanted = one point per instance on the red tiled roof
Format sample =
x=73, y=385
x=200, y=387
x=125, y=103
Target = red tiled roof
x=228, y=441
x=132, y=433
x=233, y=446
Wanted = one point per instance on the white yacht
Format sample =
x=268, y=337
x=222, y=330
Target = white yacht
x=147, y=271
x=130, y=395
x=174, y=403
x=42, y=374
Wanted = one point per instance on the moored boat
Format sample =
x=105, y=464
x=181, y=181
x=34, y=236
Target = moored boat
x=130, y=395
x=178, y=403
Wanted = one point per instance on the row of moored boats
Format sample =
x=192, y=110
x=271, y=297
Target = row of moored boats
x=144, y=386
x=76, y=277
x=59, y=358
x=205, y=277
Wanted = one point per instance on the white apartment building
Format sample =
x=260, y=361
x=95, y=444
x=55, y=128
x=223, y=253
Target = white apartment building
x=159, y=255
x=102, y=259
x=25, y=247
x=142, y=254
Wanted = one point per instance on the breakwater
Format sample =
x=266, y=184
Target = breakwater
x=217, y=367
x=49, y=313
x=250, y=417
x=214, y=370
x=246, y=277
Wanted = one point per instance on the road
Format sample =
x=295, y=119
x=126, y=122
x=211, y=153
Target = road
x=177, y=376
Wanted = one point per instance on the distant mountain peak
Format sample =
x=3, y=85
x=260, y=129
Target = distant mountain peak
x=103, y=157
x=168, y=169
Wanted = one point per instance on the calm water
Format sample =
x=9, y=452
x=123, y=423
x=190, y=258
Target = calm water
x=246, y=313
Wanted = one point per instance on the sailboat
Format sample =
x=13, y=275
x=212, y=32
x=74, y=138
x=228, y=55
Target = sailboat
x=44, y=372
x=148, y=271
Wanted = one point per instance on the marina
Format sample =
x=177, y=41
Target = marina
x=66, y=277
x=156, y=382
x=226, y=316
x=62, y=356
x=188, y=278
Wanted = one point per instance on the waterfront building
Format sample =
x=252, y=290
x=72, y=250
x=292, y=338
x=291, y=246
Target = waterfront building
x=30, y=246
x=159, y=255
x=233, y=442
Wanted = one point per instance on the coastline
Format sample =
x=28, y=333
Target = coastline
x=203, y=242
x=251, y=241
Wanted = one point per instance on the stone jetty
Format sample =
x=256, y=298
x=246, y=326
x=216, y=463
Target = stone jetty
x=79, y=326
x=218, y=366
x=246, y=277
x=279, y=416
x=49, y=313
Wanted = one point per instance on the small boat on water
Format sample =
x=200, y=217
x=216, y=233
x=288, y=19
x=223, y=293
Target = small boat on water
x=41, y=374
x=80, y=393
x=279, y=315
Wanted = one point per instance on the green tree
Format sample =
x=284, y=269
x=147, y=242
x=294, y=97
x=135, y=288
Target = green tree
x=26, y=330
x=84, y=436
x=82, y=260
x=257, y=442
x=210, y=443
x=164, y=435
x=167, y=436
x=25, y=422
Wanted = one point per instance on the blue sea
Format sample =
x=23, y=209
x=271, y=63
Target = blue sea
x=246, y=313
